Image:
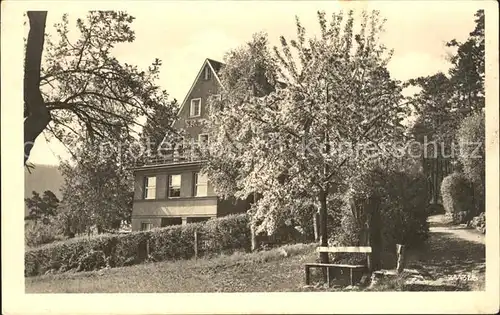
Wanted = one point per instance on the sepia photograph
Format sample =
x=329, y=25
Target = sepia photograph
x=305, y=147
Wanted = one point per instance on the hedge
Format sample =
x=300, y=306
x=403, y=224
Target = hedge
x=39, y=233
x=222, y=235
x=457, y=195
x=397, y=204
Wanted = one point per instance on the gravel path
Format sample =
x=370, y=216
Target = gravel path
x=452, y=255
x=440, y=224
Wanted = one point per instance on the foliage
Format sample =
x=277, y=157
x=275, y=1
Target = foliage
x=87, y=91
x=457, y=197
x=227, y=234
x=467, y=72
x=98, y=189
x=436, y=119
x=157, y=123
x=479, y=222
x=281, y=140
x=445, y=100
x=222, y=235
x=93, y=260
x=247, y=70
x=384, y=208
x=404, y=210
x=39, y=233
x=471, y=138
x=42, y=208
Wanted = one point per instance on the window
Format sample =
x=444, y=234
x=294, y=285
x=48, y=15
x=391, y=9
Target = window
x=203, y=138
x=150, y=187
x=195, y=107
x=174, y=186
x=207, y=73
x=145, y=226
x=200, y=185
x=171, y=221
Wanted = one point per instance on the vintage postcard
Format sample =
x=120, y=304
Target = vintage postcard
x=250, y=157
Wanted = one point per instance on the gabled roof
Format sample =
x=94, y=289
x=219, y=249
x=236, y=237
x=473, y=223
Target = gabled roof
x=215, y=66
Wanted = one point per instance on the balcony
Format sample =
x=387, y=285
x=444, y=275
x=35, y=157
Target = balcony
x=168, y=158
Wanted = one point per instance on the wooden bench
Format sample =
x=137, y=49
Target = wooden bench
x=359, y=249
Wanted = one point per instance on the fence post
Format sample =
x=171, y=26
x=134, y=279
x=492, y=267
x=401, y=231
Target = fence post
x=196, y=244
x=400, y=250
x=253, y=237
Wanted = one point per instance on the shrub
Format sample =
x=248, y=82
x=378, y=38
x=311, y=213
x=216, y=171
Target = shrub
x=479, y=223
x=228, y=233
x=63, y=255
x=38, y=233
x=222, y=235
x=457, y=197
x=174, y=242
x=405, y=210
x=471, y=137
x=393, y=204
x=129, y=249
x=93, y=260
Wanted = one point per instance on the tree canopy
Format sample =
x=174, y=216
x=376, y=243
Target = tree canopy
x=446, y=99
x=98, y=188
x=80, y=90
x=42, y=207
x=317, y=100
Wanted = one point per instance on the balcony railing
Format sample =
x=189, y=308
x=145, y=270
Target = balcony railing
x=169, y=158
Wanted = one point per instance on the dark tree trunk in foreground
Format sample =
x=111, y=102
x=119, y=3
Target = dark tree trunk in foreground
x=374, y=230
x=323, y=225
x=36, y=114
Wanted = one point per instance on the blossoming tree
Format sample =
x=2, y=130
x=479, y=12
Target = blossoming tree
x=293, y=124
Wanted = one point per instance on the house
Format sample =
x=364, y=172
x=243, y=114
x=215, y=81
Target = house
x=171, y=190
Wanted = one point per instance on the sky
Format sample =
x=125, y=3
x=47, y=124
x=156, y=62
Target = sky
x=183, y=34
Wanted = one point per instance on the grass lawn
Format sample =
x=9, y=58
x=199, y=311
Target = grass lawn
x=271, y=270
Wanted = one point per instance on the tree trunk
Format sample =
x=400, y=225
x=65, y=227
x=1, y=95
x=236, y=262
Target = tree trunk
x=316, y=226
x=253, y=235
x=374, y=230
x=37, y=116
x=323, y=215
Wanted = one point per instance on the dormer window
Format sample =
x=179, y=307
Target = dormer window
x=207, y=73
x=195, y=109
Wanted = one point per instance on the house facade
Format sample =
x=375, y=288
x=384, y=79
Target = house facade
x=170, y=189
